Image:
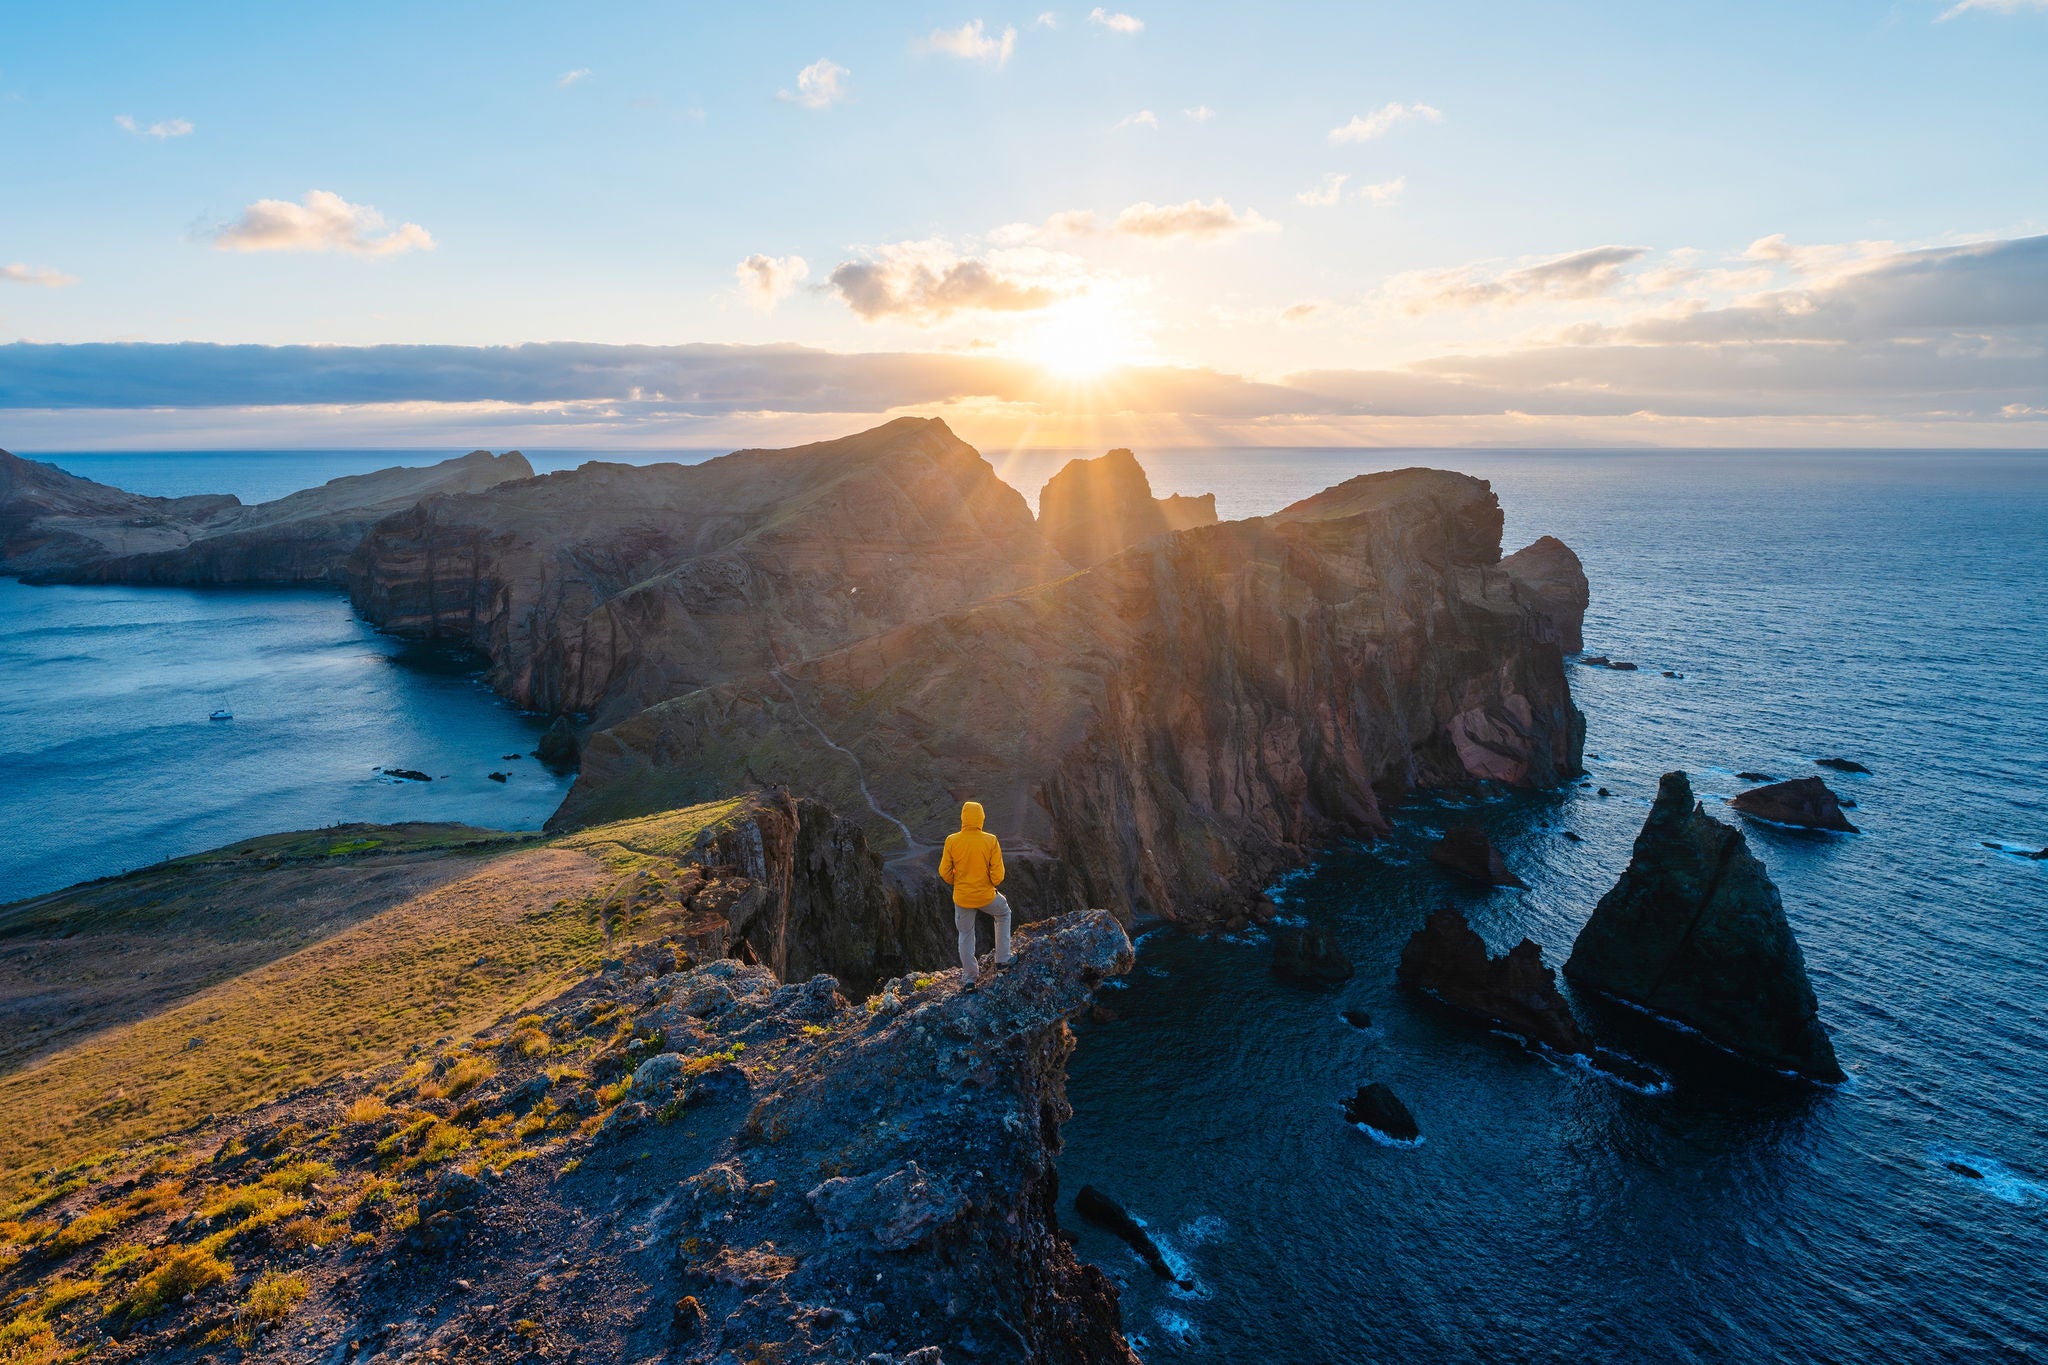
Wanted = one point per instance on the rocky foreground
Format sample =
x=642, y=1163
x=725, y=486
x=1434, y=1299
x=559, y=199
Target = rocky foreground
x=669, y=1161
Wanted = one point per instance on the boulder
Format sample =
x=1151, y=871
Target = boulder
x=1377, y=1107
x=1804, y=801
x=1447, y=959
x=1465, y=850
x=895, y=1208
x=1694, y=931
x=1309, y=955
x=1358, y=1019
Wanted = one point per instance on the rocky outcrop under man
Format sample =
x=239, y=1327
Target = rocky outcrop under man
x=1694, y=931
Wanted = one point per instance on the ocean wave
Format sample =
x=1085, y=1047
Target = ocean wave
x=1405, y=1144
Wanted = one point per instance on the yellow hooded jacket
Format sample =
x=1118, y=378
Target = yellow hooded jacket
x=973, y=861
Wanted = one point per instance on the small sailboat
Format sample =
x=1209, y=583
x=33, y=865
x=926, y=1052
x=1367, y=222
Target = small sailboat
x=222, y=714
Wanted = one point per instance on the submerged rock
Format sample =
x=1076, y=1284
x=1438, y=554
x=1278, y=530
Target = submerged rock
x=1377, y=1107
x=1100, y=1209
x=1756, y=777
x=1804, y=801
x=1447, y=959
x=1842, y=765
x=1310, y=955
x=1465, y=850
x=1694, y=931
x=406, y=774
x=1358, y=1019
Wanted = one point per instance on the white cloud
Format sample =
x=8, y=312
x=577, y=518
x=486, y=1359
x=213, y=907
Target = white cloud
x=971, y=42
x=1577, y=275
x=1212, y=222
x=1364, y=128
x=569, y=78
x=1116, y=23
x=1993, y=6
x=768, y=280
x=1201, y=113
x=1300, y=312
x=1046, y=20
x=1825, y=260
x=1062, y=226
x=322, y=221
x=1325, y=194
x=1384, y=191
x=43, y=275
x=821, y=83
x=1144, y=118
x=927, y=282
x=163, y=131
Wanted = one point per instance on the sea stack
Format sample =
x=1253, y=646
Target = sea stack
x=1694, y=931
x=1465, y=850
x=1093, y=508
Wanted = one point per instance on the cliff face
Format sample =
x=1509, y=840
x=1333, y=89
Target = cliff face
x=1093, y=508
x=1694, y=931
x=1550, y=578
x=612, y=587
x=1164, y=732
x=55, y=527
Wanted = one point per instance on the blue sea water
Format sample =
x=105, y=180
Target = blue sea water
x=1891, y=608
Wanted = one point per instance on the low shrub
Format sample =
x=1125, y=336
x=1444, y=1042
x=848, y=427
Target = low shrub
x=182, y=1271
x=270, y=1301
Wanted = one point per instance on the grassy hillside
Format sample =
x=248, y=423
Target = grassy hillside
x=287, y=960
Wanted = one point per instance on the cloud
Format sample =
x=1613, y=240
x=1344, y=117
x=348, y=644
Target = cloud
x=768, y=280
x=1364, y=128
x=322, y=221
x=1300, y=312
x=1201, y=113
x=1048, y=19
x=1116, y=23
x=1384, y=191
x=43, y=275
x=927, y=282
x=1325, y=194
x=569, y=78
x=1579, y=275
x=1824, y=259
x=1992, y=6
x=1062, y=226
x=970, y=42
x=162, y=131
x=1211, y=222
x=1144, y=118
x=821, y=83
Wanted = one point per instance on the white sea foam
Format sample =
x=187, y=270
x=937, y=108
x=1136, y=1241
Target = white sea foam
x=1994, y=1177
x=1406, y=1144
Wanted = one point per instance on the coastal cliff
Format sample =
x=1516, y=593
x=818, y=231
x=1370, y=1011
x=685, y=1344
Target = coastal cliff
x=677, y=1157
x=612, y=587
x=1093, y=508
x=1163, y=732
x=58, y=528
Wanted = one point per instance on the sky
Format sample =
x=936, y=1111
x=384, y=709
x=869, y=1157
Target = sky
x=681, y=224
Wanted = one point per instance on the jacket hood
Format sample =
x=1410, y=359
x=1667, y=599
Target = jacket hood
x=971, y=815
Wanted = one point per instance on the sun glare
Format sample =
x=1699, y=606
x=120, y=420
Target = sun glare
x=1083, y=337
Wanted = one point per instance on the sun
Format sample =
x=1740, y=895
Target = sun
x=1083, y=337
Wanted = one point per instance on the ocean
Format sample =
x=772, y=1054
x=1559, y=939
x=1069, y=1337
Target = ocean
x=1889, y=608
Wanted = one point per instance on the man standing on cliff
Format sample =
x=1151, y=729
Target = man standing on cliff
x=972, y=864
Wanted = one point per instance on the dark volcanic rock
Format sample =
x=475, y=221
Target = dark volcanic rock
x=1841, y=765
x=1310, y=955
x=558, y=745
x=1166, y=732
x=57, y=528
x=1448, y=960
x=1694, y=931
x=1756, y=777
x=1093, y=508
x=1377, y=1107
x=407, y=774
x=1358, y=1019
x=1465, y=850
x=1099, y=1208
x=1803, y=801
x=1549, y=577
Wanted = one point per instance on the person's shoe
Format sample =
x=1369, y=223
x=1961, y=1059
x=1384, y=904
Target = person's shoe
x=967, y=986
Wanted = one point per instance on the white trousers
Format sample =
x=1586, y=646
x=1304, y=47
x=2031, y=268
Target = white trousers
x=964, y=920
